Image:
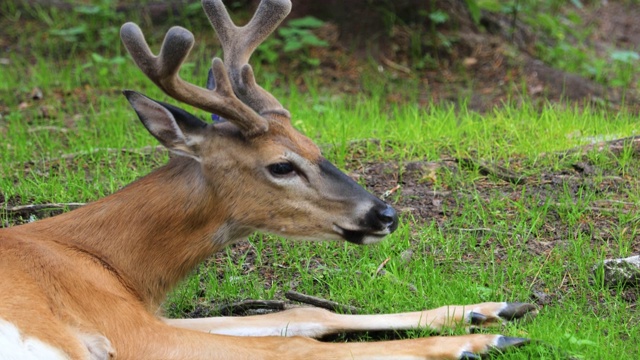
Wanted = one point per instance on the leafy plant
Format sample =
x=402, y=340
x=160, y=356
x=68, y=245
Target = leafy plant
x=474, y=10
x=105, y=65
x=438, y=17
x=295, y=36
x=100, y=27
x=626, y=61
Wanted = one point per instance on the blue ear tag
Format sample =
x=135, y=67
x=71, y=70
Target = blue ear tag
x=217, y=118
x=211, y=84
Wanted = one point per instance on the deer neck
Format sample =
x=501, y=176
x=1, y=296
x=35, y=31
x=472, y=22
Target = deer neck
x=154, y=231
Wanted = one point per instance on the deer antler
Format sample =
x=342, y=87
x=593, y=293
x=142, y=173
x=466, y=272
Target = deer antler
x=238, y=43
x=240, y=100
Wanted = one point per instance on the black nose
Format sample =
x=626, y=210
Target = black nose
x=388, y=218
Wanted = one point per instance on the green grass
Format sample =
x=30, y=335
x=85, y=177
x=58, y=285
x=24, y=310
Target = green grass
x=455, y=260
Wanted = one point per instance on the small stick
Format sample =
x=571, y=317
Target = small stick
x=482, y=230
x=382, y=265
x=321, y=303
x=598, y=209
x=47, y=128
x=394, y=66
x=615, y=202
x=535, y=277
x=489, y=169
x=242, y=307
x=612, y=145
x=41, y=207
x=390, y=192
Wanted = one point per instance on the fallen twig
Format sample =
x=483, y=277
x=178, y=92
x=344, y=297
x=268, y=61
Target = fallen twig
x=615, y=202
x=482, y=230
x=394, y=65
x=382, y=265
x=598, y=209
x=615, y=146
x=390, y=192
x=494, y=170
x=244, y=307
x=47, y=128
x=321, y=303
x=535, y=277
x=32, y=208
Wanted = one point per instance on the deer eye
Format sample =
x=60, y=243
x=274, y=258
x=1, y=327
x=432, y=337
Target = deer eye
x=281, y=169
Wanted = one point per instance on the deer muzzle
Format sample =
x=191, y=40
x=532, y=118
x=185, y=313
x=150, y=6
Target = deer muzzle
x=367, y=219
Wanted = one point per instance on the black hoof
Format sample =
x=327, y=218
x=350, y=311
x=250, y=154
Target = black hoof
x=517, y=310
x=476, y=318
x=507, y=342
x=466, y=355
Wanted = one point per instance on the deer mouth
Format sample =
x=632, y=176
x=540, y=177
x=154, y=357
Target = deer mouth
x=360, y=237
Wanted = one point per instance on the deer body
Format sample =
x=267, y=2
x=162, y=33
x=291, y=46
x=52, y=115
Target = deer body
x=88, y=284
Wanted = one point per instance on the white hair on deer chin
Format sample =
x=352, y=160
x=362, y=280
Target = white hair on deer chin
x=368, y=240
x=13, y=346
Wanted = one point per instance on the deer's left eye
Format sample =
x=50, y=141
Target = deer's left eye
x=281, y=169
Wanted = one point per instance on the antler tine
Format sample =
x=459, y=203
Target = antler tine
x=163, y=71
x=238, y=43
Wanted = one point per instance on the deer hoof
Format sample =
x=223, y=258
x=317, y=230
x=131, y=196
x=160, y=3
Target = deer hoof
x=517, y=310
x=504, y=342
x=466, y=355
x=476, y=318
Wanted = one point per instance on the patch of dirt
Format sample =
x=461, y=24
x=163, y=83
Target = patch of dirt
x=616, y=25
x=425, y=203
x=490, y=67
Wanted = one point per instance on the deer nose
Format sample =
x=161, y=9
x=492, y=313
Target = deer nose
x=388, y=217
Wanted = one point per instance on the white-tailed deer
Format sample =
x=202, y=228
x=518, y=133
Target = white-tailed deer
x=88, y=284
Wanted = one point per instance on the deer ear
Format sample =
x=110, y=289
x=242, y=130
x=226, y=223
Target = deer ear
x=176, y=129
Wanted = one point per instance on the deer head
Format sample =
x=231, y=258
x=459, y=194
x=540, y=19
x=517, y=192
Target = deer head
x=261, y=173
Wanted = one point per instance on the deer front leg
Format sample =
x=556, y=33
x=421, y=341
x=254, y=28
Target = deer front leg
x=165, y=342
x=315, y=323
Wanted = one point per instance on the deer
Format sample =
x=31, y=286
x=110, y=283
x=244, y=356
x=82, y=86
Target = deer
x=89, y=283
